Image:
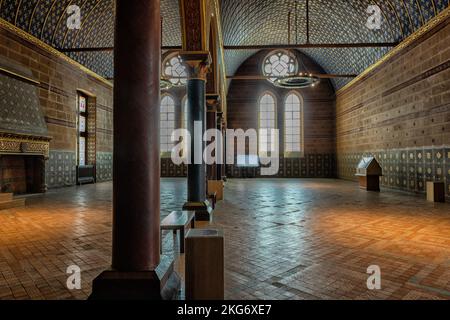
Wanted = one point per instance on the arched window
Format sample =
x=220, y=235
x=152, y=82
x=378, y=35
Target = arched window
x=185, y=122
x=279, y=64
x=267, y=121
x=184, y=112
x=292, y=124
x=167, y=123
x=175, y=70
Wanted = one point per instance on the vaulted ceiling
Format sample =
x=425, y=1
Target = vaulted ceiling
x=245, y=22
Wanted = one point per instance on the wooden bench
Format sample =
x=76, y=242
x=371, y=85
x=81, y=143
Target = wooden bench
x=213, y=197
x=178, y=220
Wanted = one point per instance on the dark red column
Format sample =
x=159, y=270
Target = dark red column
x=137, y=59
x=137, y=271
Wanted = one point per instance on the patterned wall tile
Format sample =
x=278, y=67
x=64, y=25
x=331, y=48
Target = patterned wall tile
x=310, y=166
x=104, y=166
x=404, y=169
x=20, y=107
x=60, y=169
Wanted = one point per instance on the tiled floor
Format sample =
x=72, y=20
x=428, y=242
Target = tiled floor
x=284, y=239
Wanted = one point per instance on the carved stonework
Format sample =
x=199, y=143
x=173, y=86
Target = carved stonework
x=193, y=24
x=26, y=145
x=213, y=102
x=197, y=63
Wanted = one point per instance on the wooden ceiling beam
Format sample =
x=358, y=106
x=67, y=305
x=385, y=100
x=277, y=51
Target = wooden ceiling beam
x=109, y=49
x=256, y=47
x=312, y=45
x=319, y=75
x=259, y=77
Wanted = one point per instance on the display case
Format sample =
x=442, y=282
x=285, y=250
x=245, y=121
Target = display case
x=369, y=172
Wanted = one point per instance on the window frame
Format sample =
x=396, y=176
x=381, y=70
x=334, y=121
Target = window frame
x=176, y=82
x=166, y=154
x=275, y=111
x=81, y=134
x=294, y=154
x=184, y=124
x=281, y=52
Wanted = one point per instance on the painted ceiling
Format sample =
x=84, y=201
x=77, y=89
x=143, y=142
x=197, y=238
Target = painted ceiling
x=244, y=22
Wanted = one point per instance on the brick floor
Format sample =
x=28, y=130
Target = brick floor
x=284, y=239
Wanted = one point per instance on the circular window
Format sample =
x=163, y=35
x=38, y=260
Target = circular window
x=279, y=64
x=175, y=71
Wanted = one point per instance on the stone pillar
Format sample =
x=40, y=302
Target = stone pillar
x=224, y=129
x=137, y=271
x=219, y=166
x=212, y=104
x=197, y=64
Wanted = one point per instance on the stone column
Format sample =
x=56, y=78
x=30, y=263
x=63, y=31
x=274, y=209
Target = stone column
x=197, y=64
x=212, y=104
x=219, y=166
x=224, y=167
x=137, y=271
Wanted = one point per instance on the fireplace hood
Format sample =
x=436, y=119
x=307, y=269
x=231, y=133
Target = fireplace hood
x=23, y=129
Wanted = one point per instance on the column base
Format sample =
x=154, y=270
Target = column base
x=202, y=210
x=160, y=284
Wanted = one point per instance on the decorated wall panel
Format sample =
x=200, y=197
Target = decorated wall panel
x=400, y=113
x=42, y=101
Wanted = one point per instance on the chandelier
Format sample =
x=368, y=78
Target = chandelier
x=302, y=80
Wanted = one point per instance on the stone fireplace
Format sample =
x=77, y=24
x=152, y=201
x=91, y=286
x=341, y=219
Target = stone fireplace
x=24, y=141
x=22, y=163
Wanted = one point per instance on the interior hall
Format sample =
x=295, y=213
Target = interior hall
x=328, y=123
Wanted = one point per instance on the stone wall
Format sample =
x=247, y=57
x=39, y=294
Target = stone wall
x=58, y=80
x=400, y=113
x=318, y=159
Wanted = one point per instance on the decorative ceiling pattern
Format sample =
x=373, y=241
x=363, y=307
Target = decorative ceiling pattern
x=244, y=22
x=248, y=22
x=47, y=21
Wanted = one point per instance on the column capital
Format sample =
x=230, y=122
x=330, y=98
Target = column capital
x=197, y=63
x=212, y=102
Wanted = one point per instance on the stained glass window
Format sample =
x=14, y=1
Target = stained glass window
x=82, y=124
x=82, y=152
x=267, y=121
x=185, y=110
x=175, y=71
x=185, y=123
x=279, y=64
x=82, y=129
x=167, y=123
x=292, y=118
x=82, y=102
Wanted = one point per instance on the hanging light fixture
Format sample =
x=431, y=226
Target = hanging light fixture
x=297, y=82
x=304, y=79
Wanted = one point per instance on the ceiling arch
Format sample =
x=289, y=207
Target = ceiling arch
x=330, y=21
x=46, y=20
x=244, y=22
